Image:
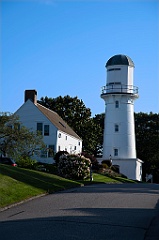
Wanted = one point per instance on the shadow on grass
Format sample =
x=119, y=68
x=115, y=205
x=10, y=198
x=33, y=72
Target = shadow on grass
x=48, y=182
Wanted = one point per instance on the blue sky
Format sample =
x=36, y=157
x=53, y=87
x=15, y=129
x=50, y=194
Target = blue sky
x=61, y=47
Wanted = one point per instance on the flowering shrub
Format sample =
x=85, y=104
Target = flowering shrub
x=74, y=167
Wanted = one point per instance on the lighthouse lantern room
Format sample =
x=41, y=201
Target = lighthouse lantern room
x=119, y=95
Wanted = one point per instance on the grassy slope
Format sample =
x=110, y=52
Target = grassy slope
x=17, y=184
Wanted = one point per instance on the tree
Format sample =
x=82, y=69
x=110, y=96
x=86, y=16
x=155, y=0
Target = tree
x=147, y=140
x=99, y=120
x=16, y=140
x=78, y=117
x=69, y=108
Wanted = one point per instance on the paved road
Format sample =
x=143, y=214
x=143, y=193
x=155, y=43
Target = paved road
x=97, y=212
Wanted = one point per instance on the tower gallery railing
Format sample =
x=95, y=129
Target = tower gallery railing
x=114, y=88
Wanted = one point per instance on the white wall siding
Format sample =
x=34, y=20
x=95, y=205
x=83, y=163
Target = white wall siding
x=68, y=143
x=30, y=115
x=132, y=168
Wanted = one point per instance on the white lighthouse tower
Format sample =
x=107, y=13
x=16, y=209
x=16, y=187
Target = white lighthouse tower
x=119, y=129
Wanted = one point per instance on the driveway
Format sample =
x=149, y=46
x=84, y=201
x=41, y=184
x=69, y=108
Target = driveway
x=95, y=212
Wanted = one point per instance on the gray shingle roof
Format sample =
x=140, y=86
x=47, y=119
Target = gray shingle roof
x=57, y=121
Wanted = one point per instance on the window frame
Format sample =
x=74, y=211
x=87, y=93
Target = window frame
x=40, y=130
x=116, y=152
x=116, y=104
x=116, y=127
x=46, y=130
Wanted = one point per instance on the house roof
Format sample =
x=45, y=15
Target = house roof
x=57, y=121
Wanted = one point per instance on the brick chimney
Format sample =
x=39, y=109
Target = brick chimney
x=32, y=95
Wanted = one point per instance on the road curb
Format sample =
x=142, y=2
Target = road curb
x=23, y=201
x=32, y=198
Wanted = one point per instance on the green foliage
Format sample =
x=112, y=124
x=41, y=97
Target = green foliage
x=147, y=140
x=99, y=121
x=105, y=165
x=58, y=155
x=49, y=168
x=68, y=108
x=74, y=167
x=17, y=140
x=93, y=159
x=107, y=162
x=26, y=162
x=109, y=171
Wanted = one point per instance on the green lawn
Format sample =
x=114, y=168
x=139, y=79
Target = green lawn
x=17, y=184
x=101, y=178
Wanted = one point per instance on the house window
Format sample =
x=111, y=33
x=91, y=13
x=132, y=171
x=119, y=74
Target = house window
x=66, y=137
x=44, y=153
x=51, y=151
x=116, y=128
x=115, y=152
x=59, y=148
x=46, y=130
x=75, y=148
x=59, y=135
x=116, y=104
x=40, y=128
x=79, y=143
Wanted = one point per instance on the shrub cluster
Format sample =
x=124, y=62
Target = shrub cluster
x=75, y=167
x=58, y=155
x=94, y=162
x=26, y=162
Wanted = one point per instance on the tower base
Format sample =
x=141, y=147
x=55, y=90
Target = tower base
x=132, y=167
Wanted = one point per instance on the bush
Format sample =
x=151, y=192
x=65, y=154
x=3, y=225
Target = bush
x=94, y=162
x=74, y=167
x=105, y=165
x=108, y=162
x=26, y=162
x=51, y=168
x=58, y=155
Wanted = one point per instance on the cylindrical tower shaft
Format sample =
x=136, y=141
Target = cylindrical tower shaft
x=119, y=95
x=119, y=130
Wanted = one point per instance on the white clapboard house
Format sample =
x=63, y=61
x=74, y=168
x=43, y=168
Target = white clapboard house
x=57, y=135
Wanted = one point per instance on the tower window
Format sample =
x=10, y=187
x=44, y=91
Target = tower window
x=116, y=128
x=116, y=104
x=115, y=152
x=113, y=69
